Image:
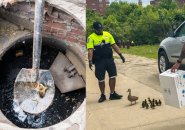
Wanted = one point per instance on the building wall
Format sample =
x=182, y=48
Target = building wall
x=181, y=1
x=97, y=5
x=56, y=22
x=155, y=2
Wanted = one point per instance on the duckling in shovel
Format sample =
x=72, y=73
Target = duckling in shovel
x=131, y=98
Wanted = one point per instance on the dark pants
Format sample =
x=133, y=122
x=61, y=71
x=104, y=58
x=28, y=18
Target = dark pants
x=104, y=65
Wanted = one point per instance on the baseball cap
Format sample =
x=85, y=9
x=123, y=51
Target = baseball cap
x=97, y=25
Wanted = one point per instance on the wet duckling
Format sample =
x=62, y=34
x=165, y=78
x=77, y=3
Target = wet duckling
x=131, y=98
x=159, y=102
x=42, y=90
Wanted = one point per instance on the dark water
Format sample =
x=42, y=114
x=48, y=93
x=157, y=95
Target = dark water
x=63, y=104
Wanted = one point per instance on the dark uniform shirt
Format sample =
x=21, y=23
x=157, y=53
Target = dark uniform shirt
x=101, y=45
x=102, y=54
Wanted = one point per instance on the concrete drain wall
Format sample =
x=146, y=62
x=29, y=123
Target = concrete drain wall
x=63, y=105
x=67, y=110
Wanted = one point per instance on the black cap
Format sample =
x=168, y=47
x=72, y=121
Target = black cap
x=97, y=25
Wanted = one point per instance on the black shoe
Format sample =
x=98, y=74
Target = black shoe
x=115, y=96
x=102, y=98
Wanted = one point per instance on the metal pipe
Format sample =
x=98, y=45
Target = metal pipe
x=37, y=37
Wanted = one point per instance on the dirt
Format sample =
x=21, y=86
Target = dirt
x=63, y=104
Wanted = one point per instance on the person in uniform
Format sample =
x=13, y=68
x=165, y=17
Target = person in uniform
x=99, y=45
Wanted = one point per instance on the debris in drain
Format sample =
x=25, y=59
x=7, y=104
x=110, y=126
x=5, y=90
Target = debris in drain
x=64, y=80
x=19, y=112
x=35, y=120
x=60, y=108
x=69, y=68
x=72, y=74
x=19, y=53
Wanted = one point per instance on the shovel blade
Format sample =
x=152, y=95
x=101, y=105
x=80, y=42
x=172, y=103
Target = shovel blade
x=27, y=92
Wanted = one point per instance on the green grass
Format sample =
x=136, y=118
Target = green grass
x=148, y=51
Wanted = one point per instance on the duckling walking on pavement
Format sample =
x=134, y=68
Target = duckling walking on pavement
x=159, y=102
x=143, y=104
x=131, y=98
x=147, y=106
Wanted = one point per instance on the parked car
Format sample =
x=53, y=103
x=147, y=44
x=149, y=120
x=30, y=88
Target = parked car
x=170, y=48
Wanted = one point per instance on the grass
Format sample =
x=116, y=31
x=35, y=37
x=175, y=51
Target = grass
x=148, y=51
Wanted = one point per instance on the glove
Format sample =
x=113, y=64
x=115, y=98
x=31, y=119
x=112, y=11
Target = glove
x=90, y=64
x=122, y=57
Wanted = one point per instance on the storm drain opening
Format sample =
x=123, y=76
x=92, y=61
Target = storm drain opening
x=19, y=56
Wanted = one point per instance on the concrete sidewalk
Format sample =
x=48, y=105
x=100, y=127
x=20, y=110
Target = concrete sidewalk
x=119, y=115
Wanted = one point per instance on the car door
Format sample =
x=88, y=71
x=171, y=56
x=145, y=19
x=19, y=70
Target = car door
x=177, y=43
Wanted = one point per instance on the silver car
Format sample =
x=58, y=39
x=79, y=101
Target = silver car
x=170, y=48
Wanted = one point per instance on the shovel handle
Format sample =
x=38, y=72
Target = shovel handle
x=37, y=38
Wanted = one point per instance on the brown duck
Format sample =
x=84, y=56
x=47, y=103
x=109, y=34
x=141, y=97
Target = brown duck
x=131, y=98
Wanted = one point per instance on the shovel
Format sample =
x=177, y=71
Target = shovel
x=34, y=88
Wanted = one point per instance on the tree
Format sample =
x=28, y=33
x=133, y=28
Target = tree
x=144, y=25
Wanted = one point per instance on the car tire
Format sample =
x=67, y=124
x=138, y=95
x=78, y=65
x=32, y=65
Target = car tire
x=163, y=62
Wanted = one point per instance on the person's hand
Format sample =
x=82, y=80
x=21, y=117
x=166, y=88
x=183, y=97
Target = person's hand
x=122, y=58
x=175, y=67
x=90, y=64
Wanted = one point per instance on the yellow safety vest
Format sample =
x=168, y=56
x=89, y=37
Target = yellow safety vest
x=101, y=45
x=95, y=40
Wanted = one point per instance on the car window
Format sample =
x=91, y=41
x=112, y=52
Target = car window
x=181, y=31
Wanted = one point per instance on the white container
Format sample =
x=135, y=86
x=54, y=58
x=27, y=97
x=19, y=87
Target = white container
x=173, y=88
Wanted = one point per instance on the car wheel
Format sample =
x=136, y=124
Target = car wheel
x=163, y=62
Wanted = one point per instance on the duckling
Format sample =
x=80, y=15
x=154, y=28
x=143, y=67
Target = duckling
x=42, y=90
x=160, y=103
x=156, y=103
x=143, y=104
x=153, y=101
x=152, y=105
x=131, y=98
x=149, y=100
x=147, y=106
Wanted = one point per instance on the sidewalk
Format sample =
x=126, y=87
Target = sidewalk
x=119, y=115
